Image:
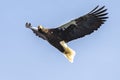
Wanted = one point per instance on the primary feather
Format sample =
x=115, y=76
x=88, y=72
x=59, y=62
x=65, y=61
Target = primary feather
x=83, y=25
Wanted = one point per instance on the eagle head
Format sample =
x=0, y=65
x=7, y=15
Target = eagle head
x=40, y=28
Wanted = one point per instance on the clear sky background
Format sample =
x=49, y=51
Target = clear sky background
x=23, y=56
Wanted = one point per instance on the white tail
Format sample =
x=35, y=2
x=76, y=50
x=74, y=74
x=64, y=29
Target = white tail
x=68, y=53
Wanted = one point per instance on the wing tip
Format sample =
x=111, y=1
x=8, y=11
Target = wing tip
x=28, y=25
x=98, y=9
x=100, y=12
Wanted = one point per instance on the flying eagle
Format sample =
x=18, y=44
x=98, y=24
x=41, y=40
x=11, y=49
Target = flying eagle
x=77, y=28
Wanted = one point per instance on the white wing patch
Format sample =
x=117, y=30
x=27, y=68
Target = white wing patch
x=64, y=26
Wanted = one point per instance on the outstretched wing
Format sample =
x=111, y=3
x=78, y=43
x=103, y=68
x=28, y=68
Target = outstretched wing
x=83, y=25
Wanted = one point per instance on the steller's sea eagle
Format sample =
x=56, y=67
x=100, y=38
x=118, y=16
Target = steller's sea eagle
x=77, y=28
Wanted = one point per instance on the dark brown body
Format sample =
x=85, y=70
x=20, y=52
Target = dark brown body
x=54, y=39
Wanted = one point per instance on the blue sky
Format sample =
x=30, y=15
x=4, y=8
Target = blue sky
x=23, y=56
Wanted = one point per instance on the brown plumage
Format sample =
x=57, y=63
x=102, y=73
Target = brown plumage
x=77, y=28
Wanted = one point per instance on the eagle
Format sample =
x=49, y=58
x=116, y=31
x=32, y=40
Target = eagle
x=74, y=29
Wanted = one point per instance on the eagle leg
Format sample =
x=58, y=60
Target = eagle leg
x=68, y=52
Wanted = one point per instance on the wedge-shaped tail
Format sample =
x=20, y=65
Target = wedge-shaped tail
x=68, y=53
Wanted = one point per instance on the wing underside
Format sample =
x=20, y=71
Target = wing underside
x=83, y=25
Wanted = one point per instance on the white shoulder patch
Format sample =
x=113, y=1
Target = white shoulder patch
x=64, y=26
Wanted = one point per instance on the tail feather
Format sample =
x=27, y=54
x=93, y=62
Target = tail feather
x=68, y=53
